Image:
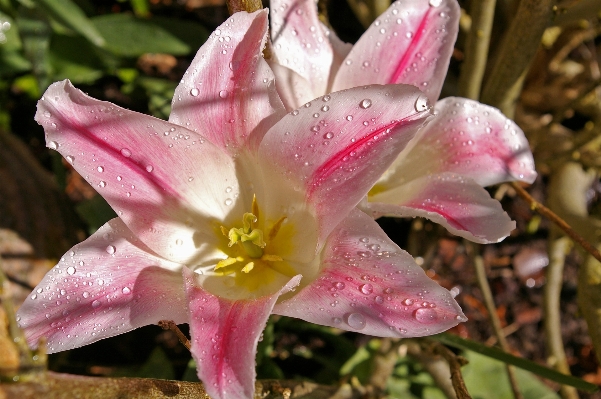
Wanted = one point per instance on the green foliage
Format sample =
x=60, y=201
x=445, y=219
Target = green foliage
x=129, y=36
x=477, y=375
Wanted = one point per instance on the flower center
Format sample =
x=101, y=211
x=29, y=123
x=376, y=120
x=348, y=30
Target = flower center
x=251, y=241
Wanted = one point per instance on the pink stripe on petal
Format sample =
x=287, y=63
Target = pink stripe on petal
x=107, y=285
x=225, y=334
x=228, y=93
x=421, y=37
x=369, y=285
x=459, y=204
x=467, y=138
x=147, y=169
x=335, y=147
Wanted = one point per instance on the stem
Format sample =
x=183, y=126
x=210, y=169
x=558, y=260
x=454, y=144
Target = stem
x=551, y=306
x=517, y=50
x=492, y=311
x=170, y=325
x=455, y=363
x=476, y=49
x=549, y=214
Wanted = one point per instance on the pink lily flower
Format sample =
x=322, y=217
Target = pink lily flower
x=440, y=174
x=233, y=210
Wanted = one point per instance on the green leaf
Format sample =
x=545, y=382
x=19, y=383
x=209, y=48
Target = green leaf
x=477, y=372
x=158, y=366
x=74, y=58
x=495, y=353
x=129, y=36
x=190, y=373
x=35, y=36
x=69, y=14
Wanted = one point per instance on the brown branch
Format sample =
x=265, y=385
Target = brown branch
x=170, y=325
x=455, y=363
x=549, y=214
x=68, y=386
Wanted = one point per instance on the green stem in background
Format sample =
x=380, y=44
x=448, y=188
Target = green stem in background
x=476, y=48
x=492, y=311
x=558, y=249
x=517, y=50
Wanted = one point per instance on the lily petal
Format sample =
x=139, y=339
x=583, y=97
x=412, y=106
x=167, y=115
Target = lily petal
x=228, y=91
x=368, y=284
x=334, y=148
x=467, y=138
x=107, y=285
x=422, y=34
x=225, y=335
x=294, y=90
x=300, y=42
x=147, y=169
x=459, y=204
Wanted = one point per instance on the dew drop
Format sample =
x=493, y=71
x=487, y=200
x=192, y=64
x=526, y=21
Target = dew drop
x=425, y=315
x=223, y=93
x=102, y=183
x=110, y=249
x=326, y=98
x=435, y=3
x=70, y=159
x=356, y=321
x=228, y=202
x=179, y=241
x=325, y=108
x=149, y=168
x=339, y=285
x=349, y=118
x=336, y=320
x=95, y=303
x=408, y=302
x=126, y=291
x=366, y=103
x=47, y=114
x=379, y=299
x=126, y=152
x=328, y=135
x=194, y=92
x=100, y=169
x=366, y=289
x=53, y=145
x=85, y=294
x=71, y=270
x=422, y=104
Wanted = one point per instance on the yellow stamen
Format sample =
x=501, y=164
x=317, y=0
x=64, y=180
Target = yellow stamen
x=228, y=262
x=276, y=228
x=224, y=231
x=249, y=266
x=271, y=258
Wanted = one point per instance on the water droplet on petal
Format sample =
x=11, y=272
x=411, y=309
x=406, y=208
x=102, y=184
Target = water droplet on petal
x=110, y=249
x=102, y=183
x=228, y=201
x=408, y=302
x=366, y=289
x=435, y=3
x=336, y=320
x=125, y=152
x=71, y=270
x=223, y=93
x=194, y=92
x=85, y=294
x=100, y=169
x=328, y=135
x=149, y=168
x=96, y=303
x=425, y=315
x=53, y=145
x=365, y=103
x=126, y=290
x=422, y=104
x=379, y=299
x=356, y=321
x=339, y=285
